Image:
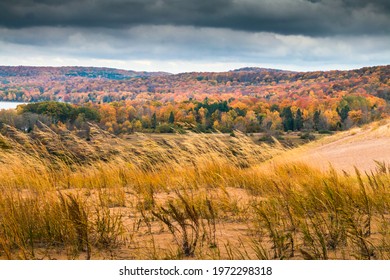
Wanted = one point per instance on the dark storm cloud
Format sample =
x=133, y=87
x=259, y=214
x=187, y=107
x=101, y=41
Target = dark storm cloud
x=307, y=17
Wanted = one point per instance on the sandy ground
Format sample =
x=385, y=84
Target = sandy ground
x=359, y=147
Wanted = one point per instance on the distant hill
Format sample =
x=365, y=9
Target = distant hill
x=25, y=83
x=85, y=72
x=258, y=69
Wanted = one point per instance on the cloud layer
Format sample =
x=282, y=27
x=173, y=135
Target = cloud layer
x=289, y=33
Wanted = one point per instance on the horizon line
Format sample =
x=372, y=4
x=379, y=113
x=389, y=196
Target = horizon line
x=352, y=68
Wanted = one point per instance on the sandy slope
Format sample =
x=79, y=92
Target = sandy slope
x=359, y=147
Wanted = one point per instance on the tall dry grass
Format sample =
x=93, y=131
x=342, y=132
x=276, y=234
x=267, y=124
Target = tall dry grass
x=184, y=196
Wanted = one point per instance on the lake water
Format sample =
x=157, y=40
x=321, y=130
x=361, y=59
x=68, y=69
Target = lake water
x=9, y=105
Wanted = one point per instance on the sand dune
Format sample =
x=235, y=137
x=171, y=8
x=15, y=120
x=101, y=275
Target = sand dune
x=360, y=147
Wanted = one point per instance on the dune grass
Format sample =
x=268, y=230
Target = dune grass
x=185, y=197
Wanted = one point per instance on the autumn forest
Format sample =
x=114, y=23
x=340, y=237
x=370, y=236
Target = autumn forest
x=247, y=99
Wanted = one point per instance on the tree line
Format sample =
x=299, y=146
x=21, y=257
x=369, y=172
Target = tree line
x=201, y=116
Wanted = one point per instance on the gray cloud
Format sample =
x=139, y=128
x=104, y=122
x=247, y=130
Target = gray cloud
x=307, y=17
x=206, y=45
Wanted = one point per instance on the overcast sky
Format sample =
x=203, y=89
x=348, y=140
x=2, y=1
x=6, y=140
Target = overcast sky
x=196, y=35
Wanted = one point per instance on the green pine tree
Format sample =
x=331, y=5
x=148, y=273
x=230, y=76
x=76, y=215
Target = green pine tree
x=171, y=118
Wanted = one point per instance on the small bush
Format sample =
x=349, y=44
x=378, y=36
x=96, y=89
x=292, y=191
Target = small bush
x=165, y=128
x=325, y=132
x=308, y=136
